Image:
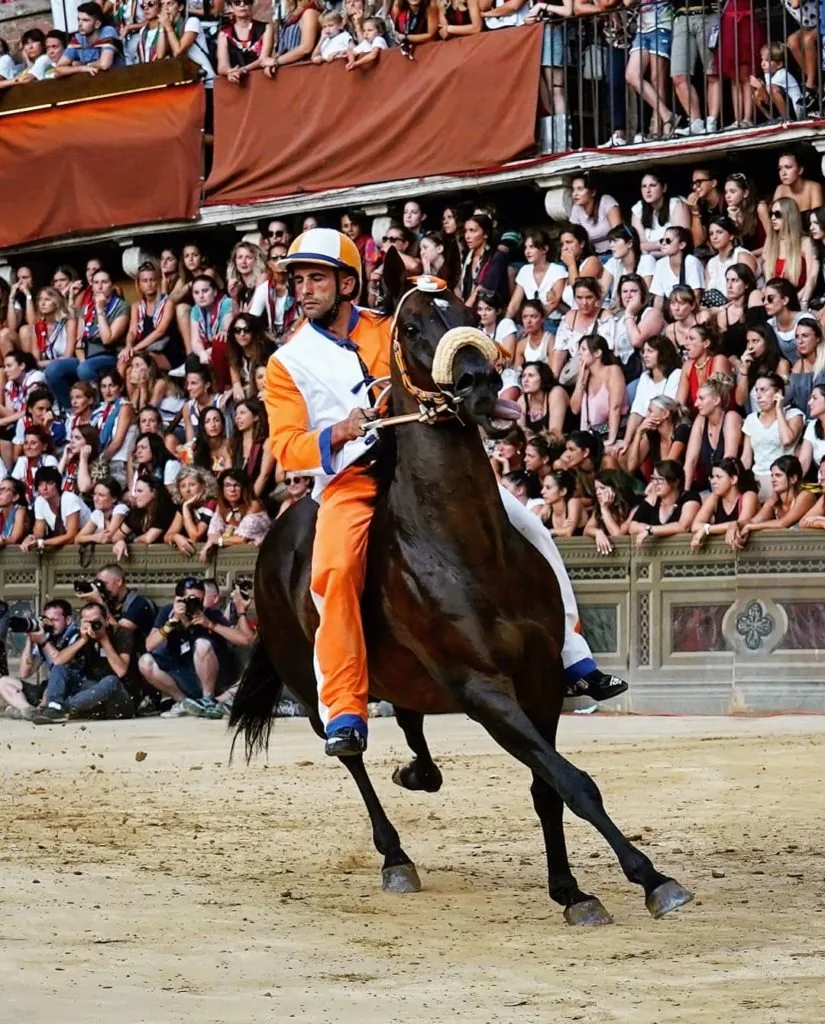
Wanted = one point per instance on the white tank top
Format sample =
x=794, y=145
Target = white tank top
x=537, y=354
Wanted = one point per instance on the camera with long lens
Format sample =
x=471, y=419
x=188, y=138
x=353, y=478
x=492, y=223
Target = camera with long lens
x=84, y=587
x=24, y=624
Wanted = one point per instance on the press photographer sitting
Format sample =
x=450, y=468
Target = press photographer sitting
x=187, y=655
x=46, y=640
x=88, y=675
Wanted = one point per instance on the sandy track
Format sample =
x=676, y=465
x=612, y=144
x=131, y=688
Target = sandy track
x=177, y=889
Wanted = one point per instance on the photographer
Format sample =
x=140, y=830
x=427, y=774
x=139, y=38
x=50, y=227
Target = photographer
x=88, y=675
x=121, y=605
x=44, y=644
x=187, y=655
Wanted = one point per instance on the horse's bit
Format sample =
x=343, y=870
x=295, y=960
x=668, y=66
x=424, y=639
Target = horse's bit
x=431, y=404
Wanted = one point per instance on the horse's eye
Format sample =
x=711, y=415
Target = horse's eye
x=410, y=329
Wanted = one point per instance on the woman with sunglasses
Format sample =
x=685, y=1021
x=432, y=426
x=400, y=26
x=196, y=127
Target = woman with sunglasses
x=248, y=348
x=747, y=211
x=669, y=510
x=743, y=307
x=806, y=193
x=297, y=487
x=789, y=254
x=678, y=266
x=239, y=517
x=762, y=357
x=243, y=43
x=810, y=366
x=781, y=302
x=194, y=492
x=626, y=258
x=770, y=432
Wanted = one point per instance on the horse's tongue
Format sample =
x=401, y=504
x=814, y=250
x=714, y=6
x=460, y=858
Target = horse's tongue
x=505, y=410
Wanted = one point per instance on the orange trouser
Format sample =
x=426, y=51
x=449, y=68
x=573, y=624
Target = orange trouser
x=339, y=559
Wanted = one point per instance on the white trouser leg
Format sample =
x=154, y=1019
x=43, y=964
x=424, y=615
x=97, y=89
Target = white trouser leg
x=576, y=650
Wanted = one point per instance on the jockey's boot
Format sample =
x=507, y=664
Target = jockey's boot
x=598, y=685
x=346, y=742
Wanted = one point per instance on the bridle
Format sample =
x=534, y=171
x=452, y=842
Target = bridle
x=432, y=405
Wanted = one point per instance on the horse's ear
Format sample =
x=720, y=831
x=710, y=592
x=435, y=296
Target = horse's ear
x=394, y=277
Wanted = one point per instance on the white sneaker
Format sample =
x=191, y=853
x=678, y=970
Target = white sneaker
x=696, y=127
x=176, y=711
x=711, y=125
x=638, y=138
x=615, y=140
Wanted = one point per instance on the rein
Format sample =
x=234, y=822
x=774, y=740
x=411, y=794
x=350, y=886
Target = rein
x=431, y=404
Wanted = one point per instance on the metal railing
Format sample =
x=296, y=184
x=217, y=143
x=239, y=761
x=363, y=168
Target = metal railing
x=646, y=72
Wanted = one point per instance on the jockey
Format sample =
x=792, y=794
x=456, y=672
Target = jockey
x=318, y=396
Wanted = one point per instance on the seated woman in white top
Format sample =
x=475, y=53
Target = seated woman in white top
x=723, y=238
x=677, y=266
x=185, y=37
x=538, y=279
x=58, y=516
x=594, y=210
x=656, y=212
x=495, y=325
x=786, y=504
x=578, y=257
x=626, y=258
x=586, y=317
x=771, y=432
x=661, y=377
x=534, y=344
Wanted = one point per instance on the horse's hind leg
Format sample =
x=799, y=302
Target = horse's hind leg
x=422, y=772
x=492, y=703
x=579, y=907
x=398, y=873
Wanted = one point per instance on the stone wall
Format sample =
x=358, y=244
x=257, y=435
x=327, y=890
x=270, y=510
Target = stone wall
x=694, y=632
x=19, y=15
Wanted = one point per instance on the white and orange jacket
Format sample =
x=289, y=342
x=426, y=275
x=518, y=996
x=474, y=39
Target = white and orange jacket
x=314, y=382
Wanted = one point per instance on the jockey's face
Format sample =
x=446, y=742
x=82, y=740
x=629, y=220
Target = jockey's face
x=317, y=288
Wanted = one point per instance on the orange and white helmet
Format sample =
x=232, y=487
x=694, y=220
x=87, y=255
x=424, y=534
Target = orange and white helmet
x=325, y=247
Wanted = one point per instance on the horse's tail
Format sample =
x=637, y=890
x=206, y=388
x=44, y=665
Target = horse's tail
x=253, y=709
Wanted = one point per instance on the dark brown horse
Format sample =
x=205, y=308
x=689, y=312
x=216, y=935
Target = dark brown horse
x=449, y=622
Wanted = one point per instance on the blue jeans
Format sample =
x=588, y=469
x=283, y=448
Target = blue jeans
x=66, y=686
x=60, y=375
x=94, y=367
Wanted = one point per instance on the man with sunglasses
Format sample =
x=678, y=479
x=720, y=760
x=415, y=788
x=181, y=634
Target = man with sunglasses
x=320, y=398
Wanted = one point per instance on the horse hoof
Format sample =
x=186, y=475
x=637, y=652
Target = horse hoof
x=666, y=897
x=402, y=878
x=409, y=777
x=588, y=912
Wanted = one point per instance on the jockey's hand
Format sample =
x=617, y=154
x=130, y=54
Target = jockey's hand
x=353, y=427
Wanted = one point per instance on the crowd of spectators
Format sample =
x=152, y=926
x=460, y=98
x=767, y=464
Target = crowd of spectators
x=769, y=61
x=654, y=341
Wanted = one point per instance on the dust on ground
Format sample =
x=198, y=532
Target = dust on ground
x=174, y=888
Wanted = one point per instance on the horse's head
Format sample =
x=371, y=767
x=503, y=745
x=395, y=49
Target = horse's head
x=441, y=357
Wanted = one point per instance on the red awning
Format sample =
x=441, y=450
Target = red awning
x=466, y=104
x=103, y=163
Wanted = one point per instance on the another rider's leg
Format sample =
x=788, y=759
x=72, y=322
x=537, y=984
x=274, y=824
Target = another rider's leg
x=576, y=654
x=339, y=559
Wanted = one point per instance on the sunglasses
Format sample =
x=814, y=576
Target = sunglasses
x=769, y=298
x=669, y=241
x=273, y=234
x=241, y=329
x=289, y=480
x=775, y=214
x=393, y=238
x=700, y=181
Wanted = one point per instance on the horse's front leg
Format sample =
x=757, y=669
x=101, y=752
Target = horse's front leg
x=491, y=702
x=398, y=873
x=422, y=772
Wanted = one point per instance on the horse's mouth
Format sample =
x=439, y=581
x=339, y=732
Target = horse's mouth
x=501, y=419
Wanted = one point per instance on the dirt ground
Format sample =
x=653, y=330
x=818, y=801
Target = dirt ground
x=176, y=888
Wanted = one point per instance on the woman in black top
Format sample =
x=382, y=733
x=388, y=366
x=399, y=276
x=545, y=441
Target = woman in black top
x=733, y=501
x=544, y=402
x=673, y=510
x=484, y=266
